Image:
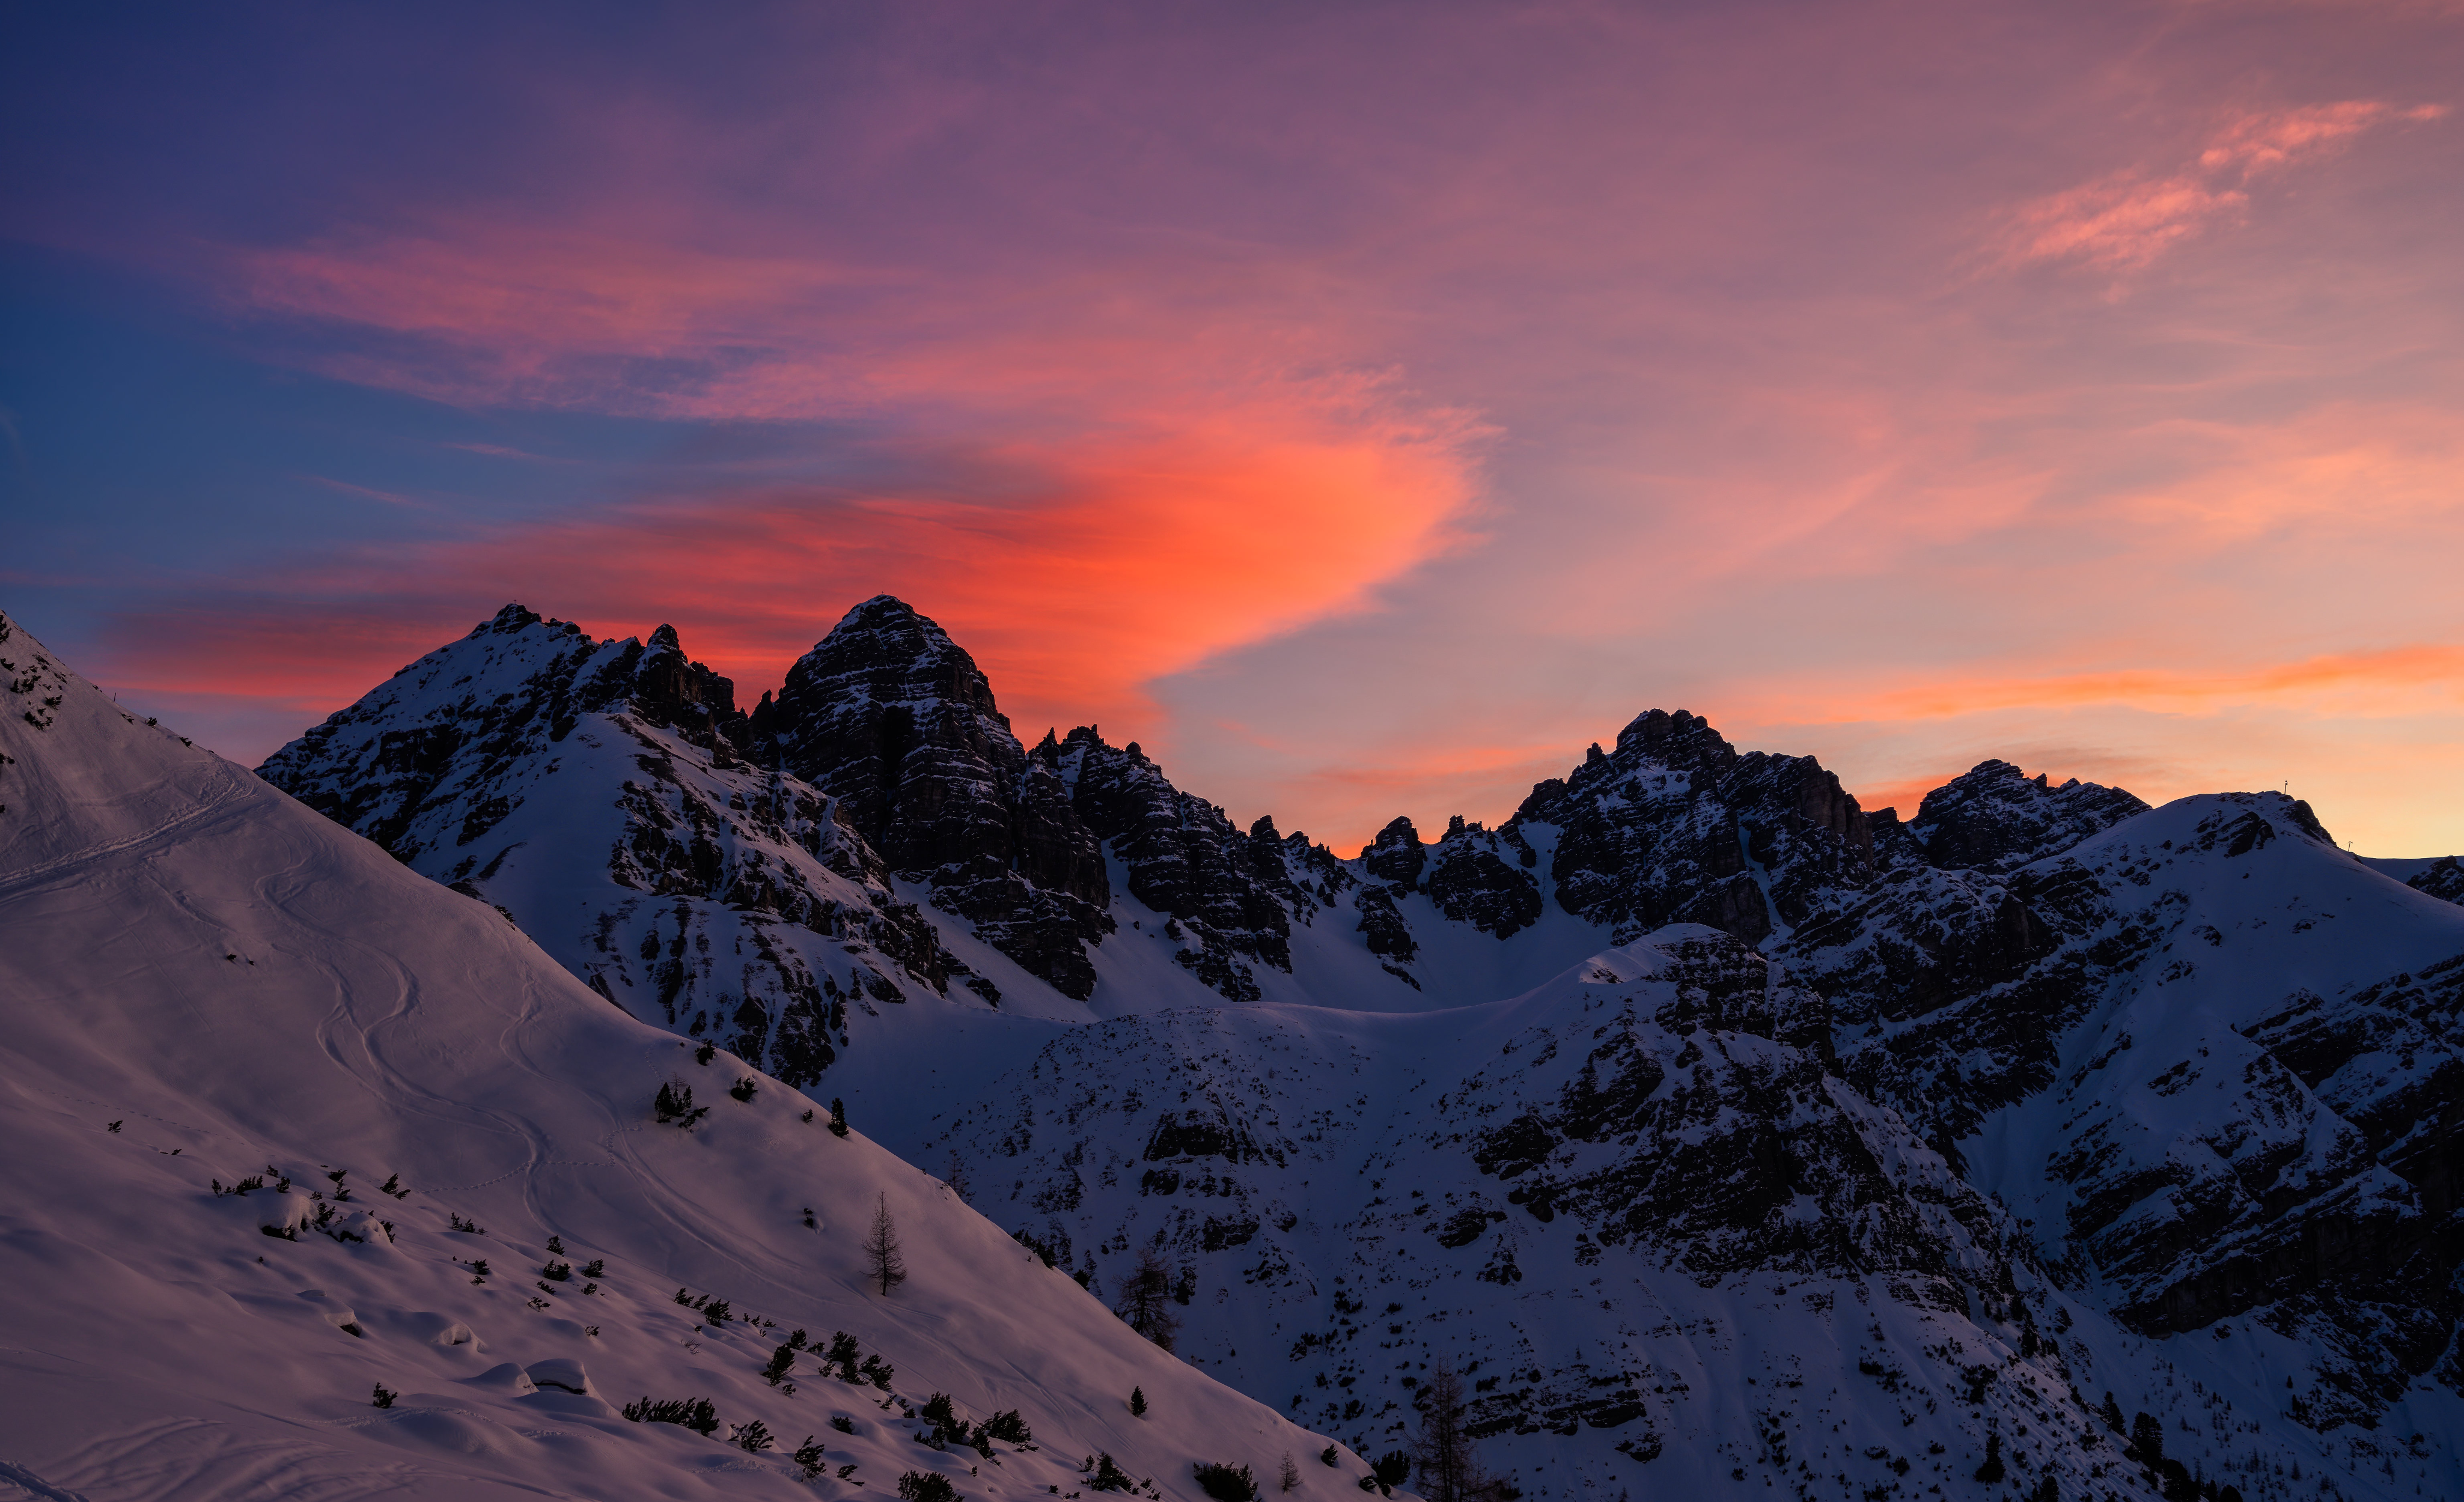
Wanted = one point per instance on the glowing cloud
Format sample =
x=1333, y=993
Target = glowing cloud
x=2124, y=221
x=1104, y=568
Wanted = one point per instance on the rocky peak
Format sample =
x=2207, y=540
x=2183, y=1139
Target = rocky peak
x=1997, y=818
x=1485, y=879
x=1677, y=740
x=2444, y=880
x=1397, y=855
x=671, y=688
x=1676, y=826
x=1186, y=859
x=890, y=715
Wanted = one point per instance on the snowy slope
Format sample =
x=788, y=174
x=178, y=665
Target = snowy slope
x=206, y=982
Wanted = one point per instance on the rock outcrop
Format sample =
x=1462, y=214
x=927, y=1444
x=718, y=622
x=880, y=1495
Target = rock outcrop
x=893, y=719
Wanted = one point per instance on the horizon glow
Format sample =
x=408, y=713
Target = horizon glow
x=1364, y=409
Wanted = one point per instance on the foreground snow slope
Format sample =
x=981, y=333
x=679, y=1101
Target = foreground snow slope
x=204, y=981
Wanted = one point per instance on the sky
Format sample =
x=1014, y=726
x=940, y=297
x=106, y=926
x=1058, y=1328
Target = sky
x=1364, y=407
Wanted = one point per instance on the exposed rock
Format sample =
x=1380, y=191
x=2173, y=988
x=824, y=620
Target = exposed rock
x=2444, y=880
x=1388, y=934
x=1996, y=817
x=891, y=716
x=1184, y=858
x=1675, y=827
x=1480, y=877
x=1395, y=856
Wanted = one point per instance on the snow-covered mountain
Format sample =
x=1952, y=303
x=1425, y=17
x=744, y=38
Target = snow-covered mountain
x=323, y=1181
x=1736, y=1134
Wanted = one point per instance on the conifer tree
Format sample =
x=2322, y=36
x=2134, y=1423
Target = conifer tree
x=1146, y=1298
x=1138, y=1403
x=883, y=1263
x=838, y=1118
x=1289, y=1476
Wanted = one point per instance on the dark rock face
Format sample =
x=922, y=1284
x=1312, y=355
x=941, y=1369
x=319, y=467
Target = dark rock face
x=1703, y=1172
x=1185, y=859
x=2373, y=1248
x=1994, y=818
x=1483, y=880
x=1397, y=855
x=891, y=717
x=2444, y=880
x=1389, y=936
x=1674, y=826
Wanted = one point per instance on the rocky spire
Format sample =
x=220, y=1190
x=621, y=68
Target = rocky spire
x=890, y=716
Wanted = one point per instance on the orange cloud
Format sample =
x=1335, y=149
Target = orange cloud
x=1118, y=565
x=2127, y=220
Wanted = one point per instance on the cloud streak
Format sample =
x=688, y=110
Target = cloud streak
x=2127, y=220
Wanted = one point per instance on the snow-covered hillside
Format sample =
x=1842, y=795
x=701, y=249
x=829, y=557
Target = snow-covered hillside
x=2063, y=1095
x=457, y=1192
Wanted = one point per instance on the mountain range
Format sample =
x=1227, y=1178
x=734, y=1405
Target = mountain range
x=1726, y=1138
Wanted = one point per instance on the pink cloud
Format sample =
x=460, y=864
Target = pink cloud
x=2127, y=220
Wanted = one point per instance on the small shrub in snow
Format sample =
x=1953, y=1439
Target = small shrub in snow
x=744, y=1088
x=1289, y=1476
x=751, y=1438
x=1138, y=1401
x=1109, y=1476
x=783, y=1360
x=385, y=1396
x=842, y=1355
x=797, y=1339
x=255, y=1181
x=467, y=1227
x=555, y=1246
x=674, y=1104
x=692, y=1413
x=923, y=1485
x=705, y=1054
x=877, y=1372
x=809, y=1458
x=285, y=1232
x=1227, y=1483
x=1392, y=1467
x=717, y=1312
x=1008, y=1427
x=557, y=1272
x=597, y=1267
x=1330, y=1456
x=394, y=1186
x=843, y=1423
x=838, y=1118
x=116, y=1125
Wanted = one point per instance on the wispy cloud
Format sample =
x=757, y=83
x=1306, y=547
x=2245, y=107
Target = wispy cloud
x=2125, y=220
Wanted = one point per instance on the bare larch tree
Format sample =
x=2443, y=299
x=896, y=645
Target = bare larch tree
x=886, y=1267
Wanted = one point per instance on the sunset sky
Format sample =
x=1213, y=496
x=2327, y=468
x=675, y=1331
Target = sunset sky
x=1364, y=407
